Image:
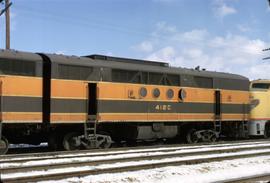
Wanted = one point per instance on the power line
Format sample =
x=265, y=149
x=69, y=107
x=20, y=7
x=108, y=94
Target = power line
x=5, y=9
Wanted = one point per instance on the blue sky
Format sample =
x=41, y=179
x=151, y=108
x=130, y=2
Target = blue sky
x=219, y=35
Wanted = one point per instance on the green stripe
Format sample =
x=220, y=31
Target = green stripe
x=21, y=104
x=116, y=106
x=34, y=104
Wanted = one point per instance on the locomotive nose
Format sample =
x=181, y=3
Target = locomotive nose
x=254, y=103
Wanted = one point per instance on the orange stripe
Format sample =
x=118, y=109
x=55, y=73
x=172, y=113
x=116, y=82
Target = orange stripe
x=234, y=97
x=119, y=91
x=68, y=118
x=21, y=86
x=75, y=118
x=68, y=89
x=21, y=117
x=168, y=117
x=239, y=117
x=257, y=119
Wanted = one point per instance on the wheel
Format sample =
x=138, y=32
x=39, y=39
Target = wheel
x=70, y=143
x=267, y=130
x=3, y=146
x=104, y=142
x=55, y=142
x=213, y=138
x=192, y=137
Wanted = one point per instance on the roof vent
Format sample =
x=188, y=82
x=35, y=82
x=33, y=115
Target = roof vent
x=127, y=60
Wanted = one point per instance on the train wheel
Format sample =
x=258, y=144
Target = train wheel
x=55, y=142
x=267, y=130
x=3, y=146
x=104, y=140
x=213, y=138
x=70, y=142
x=192, y=137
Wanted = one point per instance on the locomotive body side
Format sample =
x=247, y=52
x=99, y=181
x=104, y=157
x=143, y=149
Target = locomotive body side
x=123, y=103
x=21, y=96
x=143, y=99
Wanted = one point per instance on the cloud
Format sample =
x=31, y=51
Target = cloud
x=165, y=28
x=195, y=35
x=230, y=53
x=221, y=9
x=243, y=28
x=145, y=46
x=166, y=53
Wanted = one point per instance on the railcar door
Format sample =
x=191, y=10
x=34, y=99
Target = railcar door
x=92, y=100
x=217, y=111
x=1, y=119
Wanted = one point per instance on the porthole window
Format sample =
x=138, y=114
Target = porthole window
x=143, y=92
x=182, y=94
x=156, y=93
x=170, y=93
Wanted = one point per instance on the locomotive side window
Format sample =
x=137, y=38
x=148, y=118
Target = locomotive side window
x=261, y=85
x=143, y=92
x=125, y=76
x=119, y=75
x=155, y=78
x=18, y=67
x=173, y=80
x=144, y=77
x=74, y=72
x=203, y=82
x=170, y=93
x=156, y=93
x=231, y=84
x=128, y=76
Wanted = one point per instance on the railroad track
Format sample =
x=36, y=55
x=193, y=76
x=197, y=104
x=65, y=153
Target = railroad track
x=59, y=166
x=86, y=153
x=249, y=179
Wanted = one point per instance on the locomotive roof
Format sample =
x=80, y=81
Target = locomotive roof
x=87, y=61
x=19, y=55
x=261, y=81
x=128, y=60
x=117, y=64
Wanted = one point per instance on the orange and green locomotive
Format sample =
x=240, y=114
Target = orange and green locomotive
x=91, y=101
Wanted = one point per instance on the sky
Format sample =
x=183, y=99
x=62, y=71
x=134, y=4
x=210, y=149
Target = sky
x=218, y=35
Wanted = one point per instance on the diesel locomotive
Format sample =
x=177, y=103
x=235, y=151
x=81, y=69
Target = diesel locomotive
x=259, y=124
x=91, y=101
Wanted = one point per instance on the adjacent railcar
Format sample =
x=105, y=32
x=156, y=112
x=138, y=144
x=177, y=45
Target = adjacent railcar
x=21, y=96
x=93, y=100
x=259, y=124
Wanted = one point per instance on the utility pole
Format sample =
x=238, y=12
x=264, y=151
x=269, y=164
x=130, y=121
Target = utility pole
x=6, y=11
x=7, y=25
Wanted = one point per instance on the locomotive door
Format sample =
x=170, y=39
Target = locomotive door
x=217, y=111
x=1, y=118
x=92, y=100
x=217, y=104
